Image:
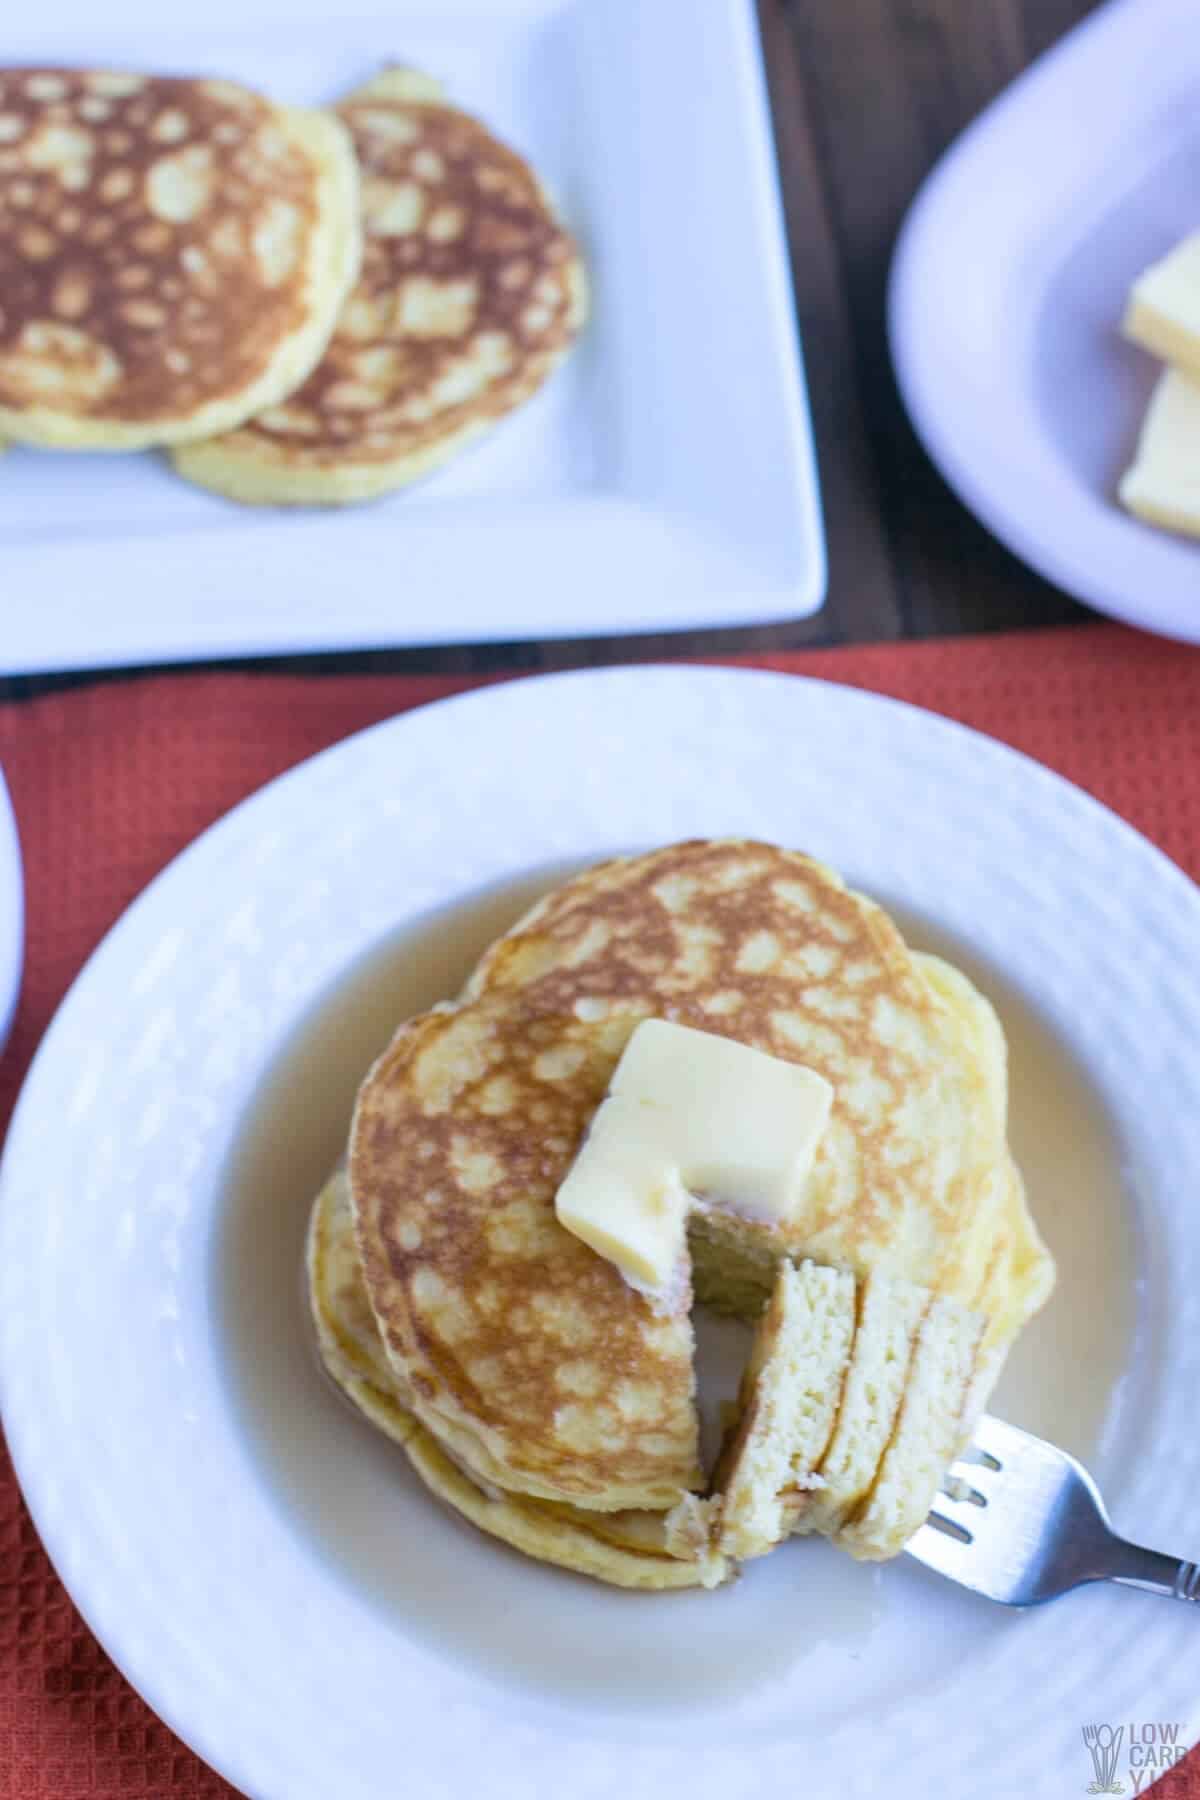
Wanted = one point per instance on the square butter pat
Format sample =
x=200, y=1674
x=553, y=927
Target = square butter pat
x=1163, y=314
x=1163, y=483
x=690, y=1115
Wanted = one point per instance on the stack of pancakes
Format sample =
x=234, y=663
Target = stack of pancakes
x=304, y=306
x=551, y=1402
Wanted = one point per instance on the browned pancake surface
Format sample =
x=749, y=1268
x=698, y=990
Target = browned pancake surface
x=150, y=228
x=470, y=291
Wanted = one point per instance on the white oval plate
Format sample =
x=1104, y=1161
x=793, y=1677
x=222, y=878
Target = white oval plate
x=266, y=1571
x=12, y=914
x=1007, y=289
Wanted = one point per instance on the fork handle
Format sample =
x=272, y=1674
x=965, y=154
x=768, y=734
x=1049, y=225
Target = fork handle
x=1133, y=1566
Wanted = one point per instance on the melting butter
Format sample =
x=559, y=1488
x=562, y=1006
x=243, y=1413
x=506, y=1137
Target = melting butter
x=689, y=1113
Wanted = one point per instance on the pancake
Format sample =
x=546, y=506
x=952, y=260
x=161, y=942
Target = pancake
x=927, y=1436
x=173, y=254
x=470, y=295
x=347, y=1336
x=790, y=1396
x=889, y=1317
x=633, y=1550
x=538, y=1532
x=1020, y=1276
x=527, y=1355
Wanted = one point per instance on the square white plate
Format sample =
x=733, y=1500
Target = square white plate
x=664, y=480
x=1008, y=286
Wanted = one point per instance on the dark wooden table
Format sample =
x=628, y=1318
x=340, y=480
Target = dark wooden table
x=866, y=95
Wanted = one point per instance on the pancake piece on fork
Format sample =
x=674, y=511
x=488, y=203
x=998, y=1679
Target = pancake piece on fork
x=927, y=1434
x=885, y=1409
x=889, y=1317
x=791, y=1394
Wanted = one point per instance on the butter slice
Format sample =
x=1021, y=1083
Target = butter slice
x=1163, y=314
x=1163, y=482
x=690, y=1116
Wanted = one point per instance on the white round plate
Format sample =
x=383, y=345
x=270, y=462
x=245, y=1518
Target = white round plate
x=265, y=1569
x=12, y=914
x=1009, y=281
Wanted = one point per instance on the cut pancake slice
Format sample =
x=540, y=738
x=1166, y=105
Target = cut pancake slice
x=927, y=1434
x=889, y=1318
x=849, y=1416
x=790, y=1396
x=847, y=1425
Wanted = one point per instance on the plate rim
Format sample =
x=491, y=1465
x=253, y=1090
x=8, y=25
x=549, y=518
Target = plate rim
x=838, y=694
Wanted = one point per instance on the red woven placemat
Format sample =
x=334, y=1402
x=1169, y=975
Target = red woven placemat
x=109, y=782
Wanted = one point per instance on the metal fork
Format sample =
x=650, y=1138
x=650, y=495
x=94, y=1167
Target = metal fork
x=1021, y=1521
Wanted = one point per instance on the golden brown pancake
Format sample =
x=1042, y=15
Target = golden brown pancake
x=470, y=295
x=173, y=254
x=526, y=1354
x=626, y=1549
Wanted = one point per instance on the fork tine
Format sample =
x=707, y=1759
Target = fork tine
x=957, y=1487
x=978, y=1458
x=977, y=1464
x=996, y=1439
x=939, y=1551
x=974, y=1477
x=965, y=1515
x=982, y=1464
